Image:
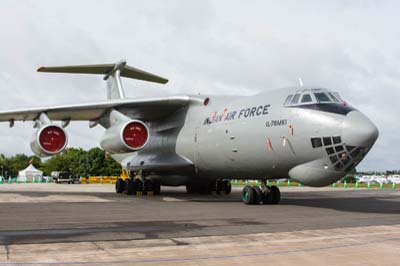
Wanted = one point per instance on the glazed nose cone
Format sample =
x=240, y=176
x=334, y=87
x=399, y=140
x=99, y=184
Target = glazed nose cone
x=358, y=130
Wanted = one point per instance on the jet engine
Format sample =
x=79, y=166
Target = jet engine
x=49, y=140
x=125, y=137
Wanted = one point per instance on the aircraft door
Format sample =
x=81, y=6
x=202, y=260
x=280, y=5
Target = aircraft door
x=215, y=147
x=229, y=145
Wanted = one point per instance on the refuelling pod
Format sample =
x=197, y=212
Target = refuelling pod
x=49, y=140
x=125, y=137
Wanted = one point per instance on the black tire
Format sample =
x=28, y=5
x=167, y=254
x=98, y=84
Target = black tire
x=218, y=187
x=226, y=187
x=212, y=188
x=189, y=189
x=248, y=195
x=267, y=196
x=157, y=187
x=148, y=186
x=204, y=188
x=119, y=185
x=257, y=195
x=137, y=186
x=129, y=187
x=276, y=195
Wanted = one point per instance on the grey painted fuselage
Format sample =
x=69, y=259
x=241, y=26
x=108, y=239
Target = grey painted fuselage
x=256, y=137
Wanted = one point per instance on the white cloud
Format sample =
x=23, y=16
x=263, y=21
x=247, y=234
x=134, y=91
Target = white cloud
x=203, y=46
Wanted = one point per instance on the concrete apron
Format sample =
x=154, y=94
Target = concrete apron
x=371, y=245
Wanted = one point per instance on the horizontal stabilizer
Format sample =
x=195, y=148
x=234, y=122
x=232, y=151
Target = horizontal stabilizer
x=107, y=70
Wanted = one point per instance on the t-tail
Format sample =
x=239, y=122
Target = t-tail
x=112, y=75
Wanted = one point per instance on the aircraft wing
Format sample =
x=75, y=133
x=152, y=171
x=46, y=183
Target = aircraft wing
x=148, y=108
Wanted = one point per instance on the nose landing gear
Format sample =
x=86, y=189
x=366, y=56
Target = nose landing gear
x=257, y=195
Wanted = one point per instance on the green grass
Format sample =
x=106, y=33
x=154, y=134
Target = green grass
x=296, y=184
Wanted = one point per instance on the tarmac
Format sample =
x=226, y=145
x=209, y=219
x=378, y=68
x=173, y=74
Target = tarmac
x=54, y=224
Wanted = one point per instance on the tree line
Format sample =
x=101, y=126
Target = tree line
x=94, y=162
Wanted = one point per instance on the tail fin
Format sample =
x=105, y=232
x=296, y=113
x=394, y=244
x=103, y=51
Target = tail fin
x=114, y=84
x=112, y=74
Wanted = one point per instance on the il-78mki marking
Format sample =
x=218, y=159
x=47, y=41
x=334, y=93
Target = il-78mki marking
x=308, y=134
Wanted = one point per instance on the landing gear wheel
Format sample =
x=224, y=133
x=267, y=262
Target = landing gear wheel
x=226, y=187
x=189, y=189
x=258, y=195
x=119, y=185
x=276, y=195
x=129, y=187
x=204, y=188
x=137, y=186
x=148, y=186
x=267, y=196
x=216, y=188
x=157, y=187
x=248, y=194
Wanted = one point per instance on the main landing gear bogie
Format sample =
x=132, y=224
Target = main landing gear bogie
x=257, y=195
x=136, y=186
x=219, y=187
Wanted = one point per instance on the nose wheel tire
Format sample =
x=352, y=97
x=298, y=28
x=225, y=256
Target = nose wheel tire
x=254, y=195
x=248, y=194
x=257, y=194
x=276, y=194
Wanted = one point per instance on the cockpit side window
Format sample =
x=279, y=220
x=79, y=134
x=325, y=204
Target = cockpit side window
x=306, y=98
x=334, y=98
x=322, y=97
x=288, y=99
x=295, y=98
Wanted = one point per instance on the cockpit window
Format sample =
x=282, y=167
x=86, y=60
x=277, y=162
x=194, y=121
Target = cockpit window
x=288, y=99
x=295, y=98
x=322, y=97
x=336, y=94
x=333, y=97
x=317, y=99
x=306, y=98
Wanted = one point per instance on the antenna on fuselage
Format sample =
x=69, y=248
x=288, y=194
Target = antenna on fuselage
x=301, y=82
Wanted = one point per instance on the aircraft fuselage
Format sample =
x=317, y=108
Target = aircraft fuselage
x=264, y=137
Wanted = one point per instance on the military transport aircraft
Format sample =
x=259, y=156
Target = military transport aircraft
x=308, y=134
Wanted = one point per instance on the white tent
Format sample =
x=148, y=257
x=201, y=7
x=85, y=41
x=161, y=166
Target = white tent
x=29, y=173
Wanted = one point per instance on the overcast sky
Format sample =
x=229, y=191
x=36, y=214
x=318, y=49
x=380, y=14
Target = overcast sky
x=235, y=47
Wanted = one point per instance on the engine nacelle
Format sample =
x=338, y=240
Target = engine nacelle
x=125, y=137
x=49, y=140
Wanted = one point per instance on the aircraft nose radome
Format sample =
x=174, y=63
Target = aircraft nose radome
x=358, y=130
